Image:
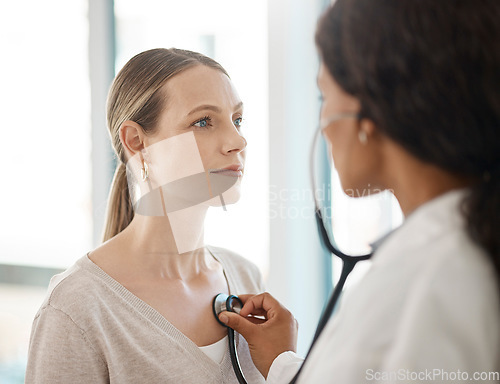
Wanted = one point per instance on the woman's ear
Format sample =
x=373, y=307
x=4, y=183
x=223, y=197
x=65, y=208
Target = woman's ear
x=132, y=137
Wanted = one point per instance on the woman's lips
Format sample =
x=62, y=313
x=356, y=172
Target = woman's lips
x=233, y=170
x=227, y=172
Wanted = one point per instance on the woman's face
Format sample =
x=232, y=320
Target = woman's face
x=203, y=101
x=352, y=159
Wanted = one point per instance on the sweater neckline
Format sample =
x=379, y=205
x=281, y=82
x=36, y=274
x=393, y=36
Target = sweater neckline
x=157, y=319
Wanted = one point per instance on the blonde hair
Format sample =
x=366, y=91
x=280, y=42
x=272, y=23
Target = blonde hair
x=136, y=94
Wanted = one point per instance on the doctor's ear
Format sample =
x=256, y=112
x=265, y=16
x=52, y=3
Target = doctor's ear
x=367, y=131
x=132, y=137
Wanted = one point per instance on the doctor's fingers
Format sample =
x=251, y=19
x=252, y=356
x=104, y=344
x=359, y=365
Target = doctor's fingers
x=250, y=308
x=240, y=324
x=256, y=320
x=263, y=304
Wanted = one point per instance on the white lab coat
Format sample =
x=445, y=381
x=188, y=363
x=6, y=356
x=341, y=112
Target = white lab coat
x=428, y=310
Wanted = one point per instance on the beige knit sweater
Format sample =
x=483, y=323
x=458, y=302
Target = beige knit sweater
x=92, y=330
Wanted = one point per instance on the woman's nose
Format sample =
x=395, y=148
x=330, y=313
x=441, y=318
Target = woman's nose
x=233, y=141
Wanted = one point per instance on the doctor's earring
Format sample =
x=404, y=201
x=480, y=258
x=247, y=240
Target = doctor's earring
x=144, y=170
x=363, y=137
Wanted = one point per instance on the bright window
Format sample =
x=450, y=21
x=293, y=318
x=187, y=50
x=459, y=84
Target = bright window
x=45, y=156
x=45, y=191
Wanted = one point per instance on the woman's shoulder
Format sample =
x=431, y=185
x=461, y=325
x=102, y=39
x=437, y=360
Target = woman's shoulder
x=227, y=254
x=74, y=289
x=237, y=267
x=231, y=258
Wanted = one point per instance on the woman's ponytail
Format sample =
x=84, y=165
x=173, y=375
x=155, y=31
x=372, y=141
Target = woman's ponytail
x=120, y=211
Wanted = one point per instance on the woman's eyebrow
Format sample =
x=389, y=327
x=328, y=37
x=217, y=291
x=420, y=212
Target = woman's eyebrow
x=214, y=108
x=239, y=106
x=205, y=107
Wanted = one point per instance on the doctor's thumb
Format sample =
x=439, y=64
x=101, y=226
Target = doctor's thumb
x=236, y=322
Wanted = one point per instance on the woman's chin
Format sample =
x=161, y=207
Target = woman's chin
x=231, y=196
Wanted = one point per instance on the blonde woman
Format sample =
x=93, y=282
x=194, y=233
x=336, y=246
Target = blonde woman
x=138, y=308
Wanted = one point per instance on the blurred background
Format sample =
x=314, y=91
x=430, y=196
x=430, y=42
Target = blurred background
x=58, y=58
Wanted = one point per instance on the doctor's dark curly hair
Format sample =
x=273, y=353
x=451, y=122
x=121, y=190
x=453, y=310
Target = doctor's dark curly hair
x=427, y=72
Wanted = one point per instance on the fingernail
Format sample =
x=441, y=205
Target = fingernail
x=223, y=318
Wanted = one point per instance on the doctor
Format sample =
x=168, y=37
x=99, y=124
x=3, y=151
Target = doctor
x=418, y=85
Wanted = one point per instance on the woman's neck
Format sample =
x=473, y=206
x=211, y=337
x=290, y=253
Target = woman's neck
x=168, y=246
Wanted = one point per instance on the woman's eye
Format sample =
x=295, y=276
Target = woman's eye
x=202, y=123
x=238, y=122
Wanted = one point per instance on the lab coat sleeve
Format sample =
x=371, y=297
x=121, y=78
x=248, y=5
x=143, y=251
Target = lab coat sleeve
x=284, y=368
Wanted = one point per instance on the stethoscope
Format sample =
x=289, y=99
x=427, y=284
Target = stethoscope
x=232, y=303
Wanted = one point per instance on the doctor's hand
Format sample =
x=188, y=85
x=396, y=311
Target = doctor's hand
x=267, y=326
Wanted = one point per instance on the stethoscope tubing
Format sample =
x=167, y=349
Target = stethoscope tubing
x=222, y=303
x=348, y=261
x=234, y=357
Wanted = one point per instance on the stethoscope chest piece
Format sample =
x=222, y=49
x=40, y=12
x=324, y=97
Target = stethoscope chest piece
x=223, y=302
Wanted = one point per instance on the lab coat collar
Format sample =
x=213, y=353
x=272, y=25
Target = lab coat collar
x=428, y=221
